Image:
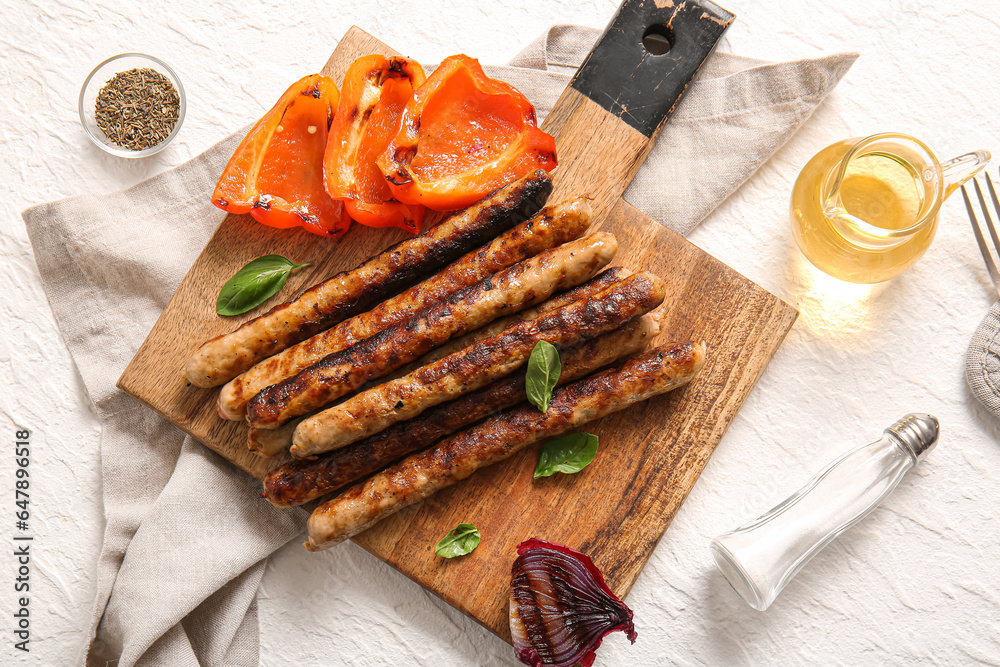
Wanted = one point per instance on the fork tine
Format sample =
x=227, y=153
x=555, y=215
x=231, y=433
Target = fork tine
x=983, y=248
x=996, y=207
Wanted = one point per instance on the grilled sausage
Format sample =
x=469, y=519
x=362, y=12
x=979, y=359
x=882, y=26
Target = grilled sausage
x=268, y=442
x=485, y=361
x=455, y=458
x=551, y=227
x=519, y=287
x=350, y=292
x=298, y=482
x=597, y=284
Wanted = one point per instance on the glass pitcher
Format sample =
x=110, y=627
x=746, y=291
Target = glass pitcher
x=865, y=210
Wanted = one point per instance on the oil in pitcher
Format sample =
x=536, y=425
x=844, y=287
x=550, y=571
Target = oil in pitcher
x=865, y=210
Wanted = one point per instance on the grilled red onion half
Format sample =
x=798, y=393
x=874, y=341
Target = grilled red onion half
x=560, y=607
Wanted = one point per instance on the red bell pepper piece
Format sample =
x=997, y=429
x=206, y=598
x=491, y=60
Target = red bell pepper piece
x=375, y=91
x=462, y=136
x=276, y=173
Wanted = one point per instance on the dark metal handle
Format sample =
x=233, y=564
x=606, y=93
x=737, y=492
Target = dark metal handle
x=624, y=74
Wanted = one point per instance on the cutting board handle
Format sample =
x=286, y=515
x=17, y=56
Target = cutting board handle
x=606, y=119
x=646, y=57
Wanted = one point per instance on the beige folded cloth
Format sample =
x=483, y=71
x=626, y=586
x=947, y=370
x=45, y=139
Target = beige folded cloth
x=982, y=362
x=187, y=536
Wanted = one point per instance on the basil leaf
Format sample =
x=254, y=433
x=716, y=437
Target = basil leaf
x=254, y=284
x=544, y=368
x=459, y=541
x=568, y=454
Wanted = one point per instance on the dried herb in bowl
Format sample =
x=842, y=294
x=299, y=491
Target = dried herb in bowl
x=137, y=109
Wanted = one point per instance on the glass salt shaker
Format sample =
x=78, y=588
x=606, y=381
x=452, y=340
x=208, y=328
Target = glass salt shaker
x=761, y=557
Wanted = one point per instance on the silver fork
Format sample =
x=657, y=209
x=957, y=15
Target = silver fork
x=991, y=265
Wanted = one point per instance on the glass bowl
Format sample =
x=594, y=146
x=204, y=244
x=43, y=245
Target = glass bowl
x=100, y=76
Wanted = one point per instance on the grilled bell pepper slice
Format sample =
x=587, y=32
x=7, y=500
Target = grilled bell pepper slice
x=375, y=91
x=462, y=136
x=276, y=173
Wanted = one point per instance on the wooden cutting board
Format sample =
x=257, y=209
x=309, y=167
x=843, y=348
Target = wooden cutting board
x=650, y=455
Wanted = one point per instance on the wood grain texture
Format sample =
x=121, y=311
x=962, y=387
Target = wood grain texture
x=615, y=510
x=600, y=168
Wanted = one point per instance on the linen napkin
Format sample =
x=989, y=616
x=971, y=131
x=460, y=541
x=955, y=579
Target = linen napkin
x=187, y=536
x=982, y=362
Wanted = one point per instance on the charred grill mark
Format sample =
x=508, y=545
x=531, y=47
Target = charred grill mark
x=596, y=284
x=313, y=381
x=403, y=156
x=458, y=456
x=399, y=68
x=395, y=346
x=567, y=222
x=571, y=323
x=482, y=362
x=410, y=259
x=301, y=481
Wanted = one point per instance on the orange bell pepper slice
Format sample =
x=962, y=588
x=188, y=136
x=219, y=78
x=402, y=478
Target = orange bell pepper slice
x=462, y=136
x=375, y=91
x=276, y=173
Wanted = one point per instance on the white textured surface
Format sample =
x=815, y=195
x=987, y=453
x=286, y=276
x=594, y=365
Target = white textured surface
x=916, y=582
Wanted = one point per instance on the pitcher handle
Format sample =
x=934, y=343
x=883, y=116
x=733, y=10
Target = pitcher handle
x=959, y=170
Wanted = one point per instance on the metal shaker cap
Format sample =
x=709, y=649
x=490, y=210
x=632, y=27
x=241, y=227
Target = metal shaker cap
x=918, y=432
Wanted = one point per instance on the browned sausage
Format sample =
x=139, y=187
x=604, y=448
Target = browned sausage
x=298, y=482
x=516, y=288
x=552, y=226
x=350, y=292
x=483, y=362
x=455, y=458
x=268, y=442
x=597, y=284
